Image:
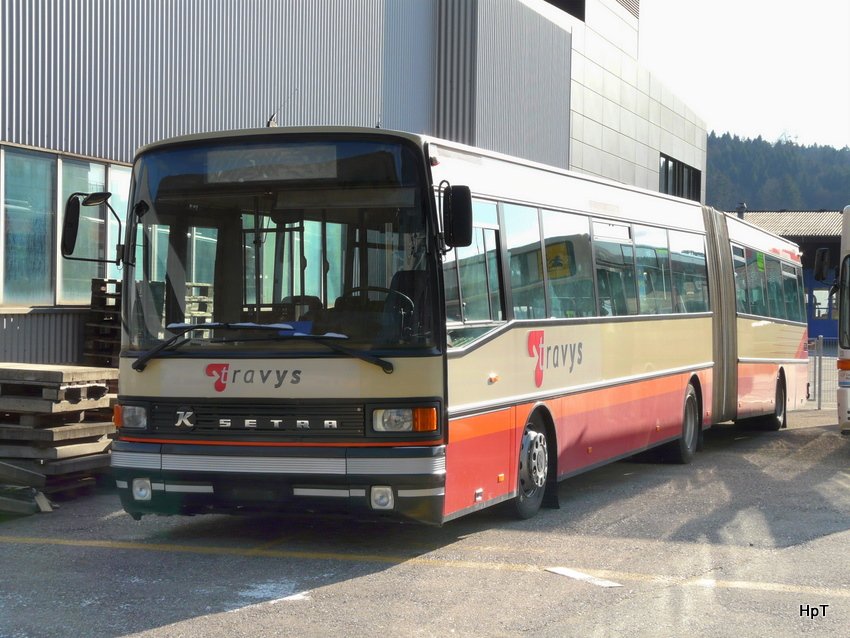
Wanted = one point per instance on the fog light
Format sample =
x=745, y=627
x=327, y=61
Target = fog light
x=142, y=489
x=382, y=497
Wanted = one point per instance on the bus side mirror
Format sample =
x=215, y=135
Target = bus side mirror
x=821, y=266
x=70, y=225
x=457, y=216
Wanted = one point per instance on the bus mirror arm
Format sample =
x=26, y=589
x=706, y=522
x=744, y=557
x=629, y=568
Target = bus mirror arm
x=71, y=226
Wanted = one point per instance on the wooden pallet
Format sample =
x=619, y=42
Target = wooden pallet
x=23, y=500
x=103, y=326
x=199, y=302
x=48, y=389
x=12, y=474
x=48, y=438
x=62, y=450
x=55, y=470
x=55, y=433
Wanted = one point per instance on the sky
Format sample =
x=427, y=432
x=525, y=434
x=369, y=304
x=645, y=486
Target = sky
x=775, y=68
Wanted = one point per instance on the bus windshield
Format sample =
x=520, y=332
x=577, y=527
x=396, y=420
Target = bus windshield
x=313, y=238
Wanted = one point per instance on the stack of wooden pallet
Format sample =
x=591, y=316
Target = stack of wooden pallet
x=55, y=431
x=103, y=327
x=199, y=302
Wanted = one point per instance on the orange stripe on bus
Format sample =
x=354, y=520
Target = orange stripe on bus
x=843, y=364
x=499, y=420
x=471, y=427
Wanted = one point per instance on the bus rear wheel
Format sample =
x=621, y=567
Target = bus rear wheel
x=533, y=470
x=684, y=448
x=778, y=419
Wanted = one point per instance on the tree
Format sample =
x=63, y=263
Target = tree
x=775, y=176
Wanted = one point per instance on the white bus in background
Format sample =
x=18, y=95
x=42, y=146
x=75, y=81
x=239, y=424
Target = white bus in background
x=843, y=291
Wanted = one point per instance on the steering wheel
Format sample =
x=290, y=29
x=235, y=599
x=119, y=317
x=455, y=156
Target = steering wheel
x=387, y=291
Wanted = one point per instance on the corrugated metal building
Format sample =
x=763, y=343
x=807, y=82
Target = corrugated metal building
x=86, y=83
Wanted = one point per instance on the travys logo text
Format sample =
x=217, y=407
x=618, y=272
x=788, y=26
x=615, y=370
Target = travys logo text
x=225, y=377
x=566, y=356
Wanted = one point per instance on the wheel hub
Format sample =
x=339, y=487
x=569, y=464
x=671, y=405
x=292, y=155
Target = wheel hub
x=534, y=460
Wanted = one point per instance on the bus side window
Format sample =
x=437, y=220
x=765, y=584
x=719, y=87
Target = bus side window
x=569, y=264
x=690, y=271
x=775, y=297
x=791, y=294
x=522, y=232
x=653, y=264
x=739, y=266
x=471, y=273
x=756, y=282
x=615, y=275
x=451, y=287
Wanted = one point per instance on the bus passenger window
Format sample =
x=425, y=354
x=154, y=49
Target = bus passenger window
x=522, y=232
x=569, y=265
x=451, y=288
x=791, y=294
x=471, y=280
x=690, y=272
x=756, y=283
x=776, y=302
x=479, y=284
x=653, y=266
x=739, y=265
x=615, y=276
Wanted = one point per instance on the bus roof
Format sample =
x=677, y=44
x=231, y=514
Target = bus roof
x=275, y=131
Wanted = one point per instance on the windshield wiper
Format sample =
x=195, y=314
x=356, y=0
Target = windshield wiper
x=182, y=328
x=328, y=340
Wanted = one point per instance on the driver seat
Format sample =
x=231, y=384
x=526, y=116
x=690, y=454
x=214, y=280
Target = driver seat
x=414, y=285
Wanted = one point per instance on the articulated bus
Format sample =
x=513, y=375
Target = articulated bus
x=372, y=320
x=843, y=360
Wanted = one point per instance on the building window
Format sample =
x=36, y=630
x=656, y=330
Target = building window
x=29, y=212
x=119, y=185
x=574, y=7
x=34, y=186
x=83, y=177
x=679, y=179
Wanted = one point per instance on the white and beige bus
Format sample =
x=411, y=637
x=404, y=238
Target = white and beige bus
x=374, y=320
x=843, y=290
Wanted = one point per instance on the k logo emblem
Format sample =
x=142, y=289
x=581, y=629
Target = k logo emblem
x=184, y=418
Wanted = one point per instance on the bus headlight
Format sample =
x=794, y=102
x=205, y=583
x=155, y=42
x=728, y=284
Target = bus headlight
x=130, y=417
x=395, y=420
x=405, y=420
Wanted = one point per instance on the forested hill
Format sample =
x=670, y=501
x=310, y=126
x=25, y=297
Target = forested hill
x=775, y=176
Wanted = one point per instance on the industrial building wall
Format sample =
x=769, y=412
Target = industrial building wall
x=522, y=100
x=622, y=117
x=409, y=66
x=99, y=79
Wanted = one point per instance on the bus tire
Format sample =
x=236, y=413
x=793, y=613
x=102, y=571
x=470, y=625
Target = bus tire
x=779, y=418
x=533, y=469
x=683, y=449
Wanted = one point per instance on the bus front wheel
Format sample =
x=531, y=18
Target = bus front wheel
x=533, y=469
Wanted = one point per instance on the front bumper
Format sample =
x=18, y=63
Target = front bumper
x=195, y=479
